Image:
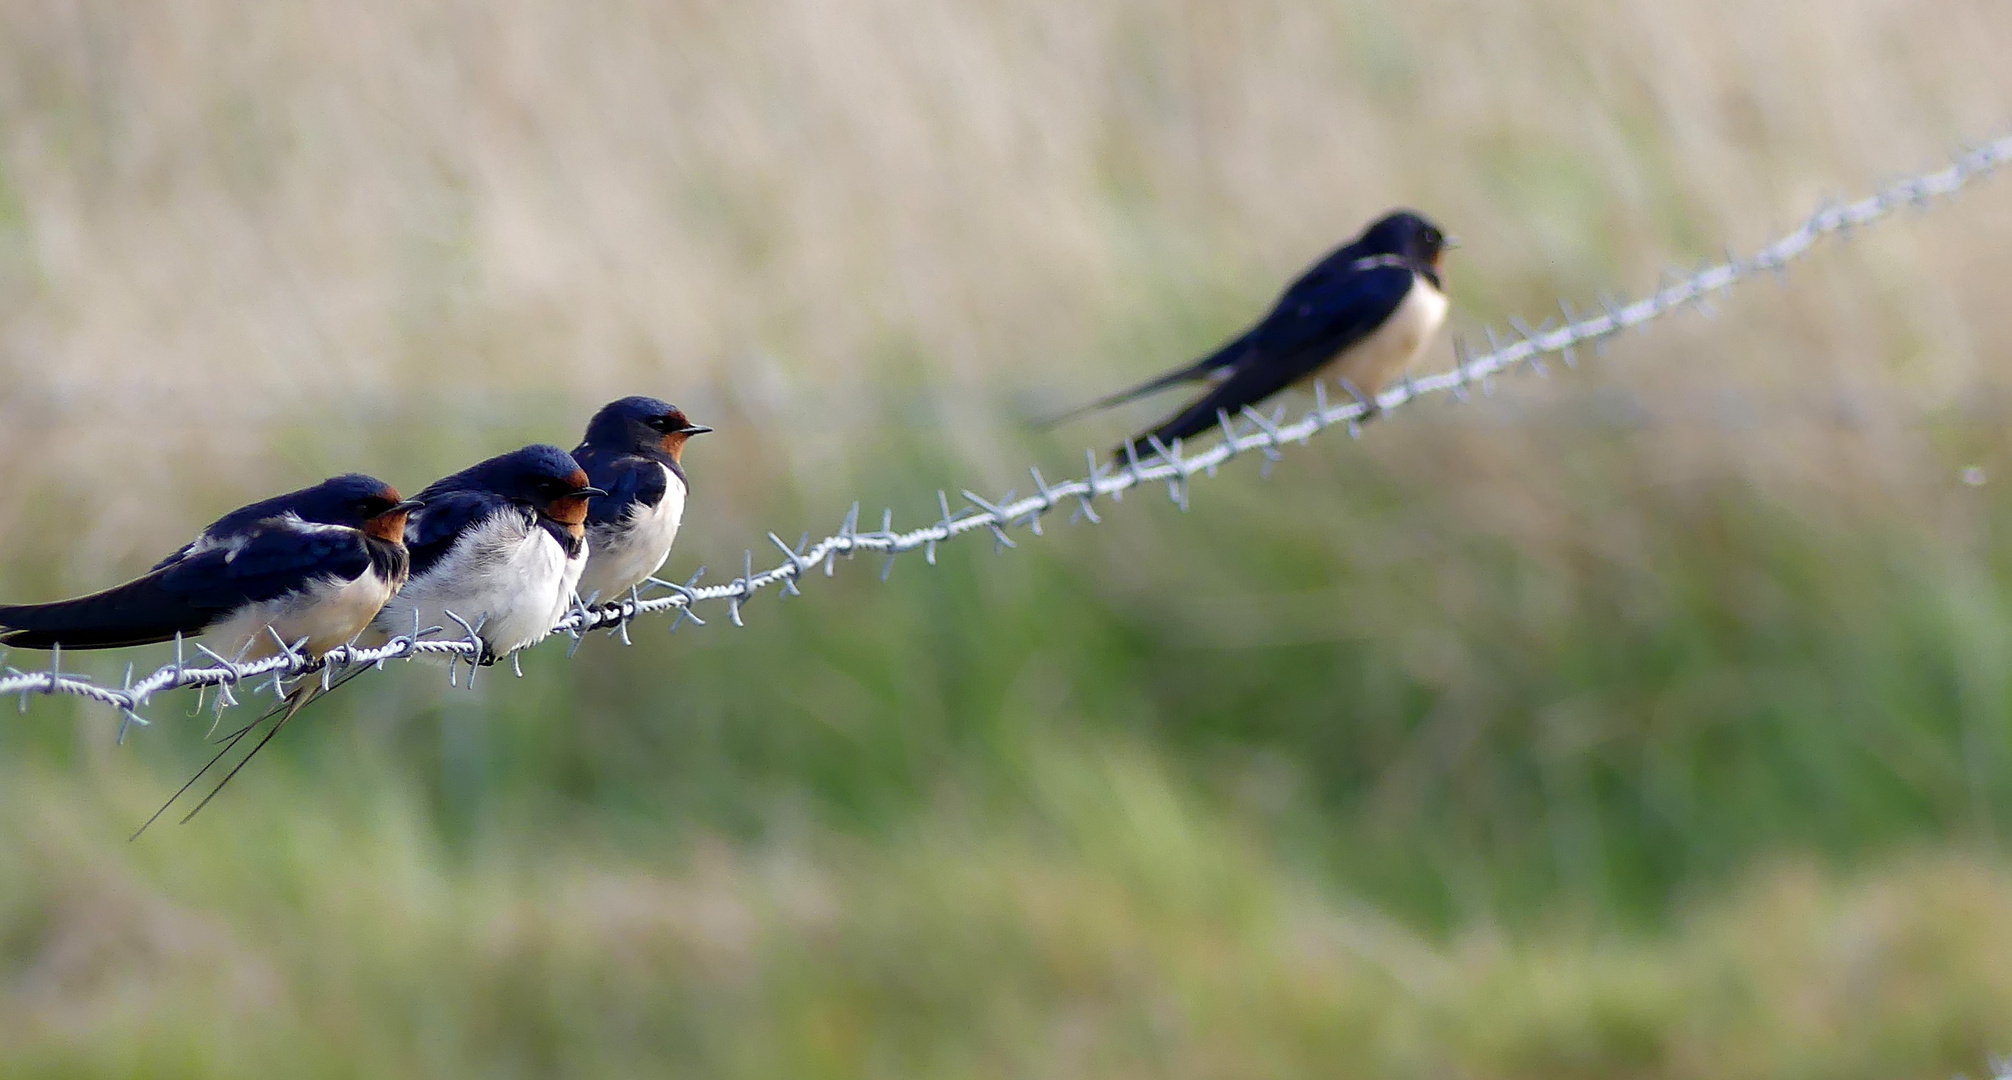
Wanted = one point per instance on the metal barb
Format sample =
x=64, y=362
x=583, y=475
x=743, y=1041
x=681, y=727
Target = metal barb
x=686, y=591
x=1460, y=373
x=998, y=516
x=629, y=614
x=846, y=529
x=478, y=648
x=796, y=566
x=1269, y=429
x=1085, y=511
x=743, y=588
x=127, y=716
x=1047, y=500
x=1131, y=465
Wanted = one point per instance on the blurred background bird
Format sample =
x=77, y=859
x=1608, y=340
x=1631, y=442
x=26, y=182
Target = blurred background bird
x=1362, y=315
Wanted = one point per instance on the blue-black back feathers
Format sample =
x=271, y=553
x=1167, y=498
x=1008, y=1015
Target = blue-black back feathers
x=518, y=482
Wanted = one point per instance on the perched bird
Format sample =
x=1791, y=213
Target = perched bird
x=315, y=564
x=500, y=544
x=1363, y=314
x=634, y=449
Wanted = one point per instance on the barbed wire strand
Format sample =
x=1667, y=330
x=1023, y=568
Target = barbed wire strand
x=1252, y=431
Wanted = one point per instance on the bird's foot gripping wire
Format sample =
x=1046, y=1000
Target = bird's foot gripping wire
x=1371, y=408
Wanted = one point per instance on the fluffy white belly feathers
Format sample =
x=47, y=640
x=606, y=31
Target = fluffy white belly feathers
x=508, y=575
x=1391, y=349
x=625, y=553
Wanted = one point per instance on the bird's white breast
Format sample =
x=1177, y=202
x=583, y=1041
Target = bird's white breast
x=507, y=575
x=1394, y=346
x=626, y=552
x=327, y=612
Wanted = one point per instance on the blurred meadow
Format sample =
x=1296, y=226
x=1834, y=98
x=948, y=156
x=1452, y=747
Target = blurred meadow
x=1647, y=720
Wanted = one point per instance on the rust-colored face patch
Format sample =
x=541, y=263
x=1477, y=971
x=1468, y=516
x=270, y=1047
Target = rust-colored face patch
x=571, y=510
x=674, y=440
x=390, y=525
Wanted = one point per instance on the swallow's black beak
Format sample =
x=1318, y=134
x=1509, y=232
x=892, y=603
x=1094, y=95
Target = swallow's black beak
x=1448, y=243
x=692, y=429
x=589, y=493
x=407, y=506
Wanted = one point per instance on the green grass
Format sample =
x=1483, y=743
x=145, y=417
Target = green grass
x=1107, y=923
x=1355, y=784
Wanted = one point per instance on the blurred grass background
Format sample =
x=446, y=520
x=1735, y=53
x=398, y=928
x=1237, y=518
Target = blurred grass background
x=1649, y=720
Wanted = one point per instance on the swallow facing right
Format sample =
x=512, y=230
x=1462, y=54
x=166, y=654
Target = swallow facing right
x=500, y=544
x=635, y=449
x=1363, y=314
x=313, y=565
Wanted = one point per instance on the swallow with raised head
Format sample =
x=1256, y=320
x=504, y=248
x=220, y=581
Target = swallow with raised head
x=501, y=545
x=634, y=449
x=310, y=567
x=1363, y=315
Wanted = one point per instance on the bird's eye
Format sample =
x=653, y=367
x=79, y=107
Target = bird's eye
x=660, y=423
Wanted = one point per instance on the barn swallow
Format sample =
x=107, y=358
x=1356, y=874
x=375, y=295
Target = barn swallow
x=315, y=564
x=1363, y=314
x=306, y=569
x=634, y=448
x=500, y=544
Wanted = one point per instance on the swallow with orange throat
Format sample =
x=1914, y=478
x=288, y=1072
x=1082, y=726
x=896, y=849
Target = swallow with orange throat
x=501, y=545
x=634, y=449
x=303, y=571
x=1361, y=316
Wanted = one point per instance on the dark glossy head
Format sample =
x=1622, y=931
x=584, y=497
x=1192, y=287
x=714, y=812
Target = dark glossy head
x=544, y=478
x=642, y=423
x=355, y=500
x=1405, y=234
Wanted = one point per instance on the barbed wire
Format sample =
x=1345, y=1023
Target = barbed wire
x=1251, y=431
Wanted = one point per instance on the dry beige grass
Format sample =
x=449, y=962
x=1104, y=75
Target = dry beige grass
x=215, y=215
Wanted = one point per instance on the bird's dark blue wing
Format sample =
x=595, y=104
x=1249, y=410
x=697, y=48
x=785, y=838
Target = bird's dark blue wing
x=431, y=532
x=627, y=478
x=192, y=591
x=1323, y=314
x=275, y=559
